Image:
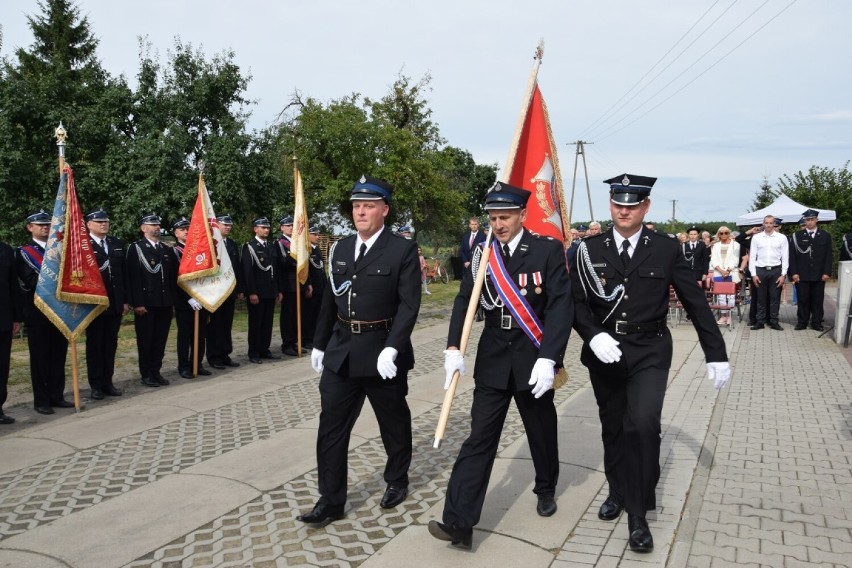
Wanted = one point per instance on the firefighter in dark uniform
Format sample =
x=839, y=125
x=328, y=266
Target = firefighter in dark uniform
x=102, y=333
x=509, y=366
x=11, y=316
x=185, y=308
x=696, y=254
x=287, y=269
x=151, y=277
x=48, y=347
x=219, y=342
x=810, y=268
x=362, y=348
x=262, y=287
x=312, y=302
x=621, y=284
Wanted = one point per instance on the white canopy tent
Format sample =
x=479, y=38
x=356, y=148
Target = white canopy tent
x=785, y=209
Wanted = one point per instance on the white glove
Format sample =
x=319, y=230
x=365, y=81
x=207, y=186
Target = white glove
x=605, y=348
x=316, y=359
x=720, y=372
x=385, y=364
x=194, y=304
x=542, y=376
x=453, y=361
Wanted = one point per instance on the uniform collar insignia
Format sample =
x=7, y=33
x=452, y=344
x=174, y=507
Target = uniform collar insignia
x=599, y=265
x=607, y=241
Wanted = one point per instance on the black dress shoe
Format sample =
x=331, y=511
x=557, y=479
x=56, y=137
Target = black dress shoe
x=44, y=410
x=269, y=355
x=62, y=403
x=640, y=535
x=6, y=419
x=216, y=365
x=460, y=538
x=257, y=360
x=394, y=495
x=112, y=391
x=230, y=363
x=611, y=509
x=204, y=372
x=186, y=374
x=149, y=382
x=817, y=328
x=97, y=394
x=758, y=326
x=546, y=506
x=800, y=326
x=160, y=379
x=290, y=351
x=321, y=515
x=775, y=326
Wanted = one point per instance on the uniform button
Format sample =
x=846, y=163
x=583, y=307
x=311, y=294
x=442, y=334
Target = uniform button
x=353, y=313
x=626, y=279
x=626, y=297
x=652, y=274
x=623, y=314
x=354, y=294
x=354, y=276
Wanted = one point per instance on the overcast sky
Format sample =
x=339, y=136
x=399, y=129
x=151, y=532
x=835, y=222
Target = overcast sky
x=710, y=126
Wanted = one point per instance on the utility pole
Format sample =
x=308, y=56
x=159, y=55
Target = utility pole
x=580, y=151
x=674, y=202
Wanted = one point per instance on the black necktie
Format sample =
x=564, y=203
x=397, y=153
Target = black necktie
x=506, y=254
x=692, y=246
x=625, y=254
x=361, y=253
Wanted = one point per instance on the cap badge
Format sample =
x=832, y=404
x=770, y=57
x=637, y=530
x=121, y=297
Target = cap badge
x=498, y=187
x=363, y=179
x=625, y=181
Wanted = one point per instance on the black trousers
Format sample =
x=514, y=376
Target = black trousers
x=629, y=410
x=472, y=470
x=768, y=295
x=48, y=351
x=287, y=320
x=310, y=313
x=5, y=359
x=101, y=345
x=811, y=297
x=152, y=334
x=260, y=317
x=219, y=342
x=342, y=398
x=186, y=336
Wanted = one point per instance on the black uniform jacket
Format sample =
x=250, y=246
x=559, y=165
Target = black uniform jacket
x=317, y=272
x=151, y=274
x=11, y=305
x=261, y=269
x=699, y=259
x=504, y=353
x=234, y=254
x=385, y=285
x=657, y=263
x=28, y=278
x=811, y=265
x=111, y=266
x=287, y=265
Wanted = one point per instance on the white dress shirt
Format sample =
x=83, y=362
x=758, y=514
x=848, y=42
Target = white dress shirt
x=768, y=250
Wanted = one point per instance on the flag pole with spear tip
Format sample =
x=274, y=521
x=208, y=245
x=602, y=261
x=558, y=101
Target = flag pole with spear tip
x=444, y=417
x=61, y=134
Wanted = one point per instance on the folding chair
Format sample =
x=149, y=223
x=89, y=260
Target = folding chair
x=724, y=289
x=674, y=307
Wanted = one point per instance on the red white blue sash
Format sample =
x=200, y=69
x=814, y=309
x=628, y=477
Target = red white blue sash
x=512, y=298
x=33, y=257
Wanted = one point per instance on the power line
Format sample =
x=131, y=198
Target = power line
x=660, y=60
x=607, y=134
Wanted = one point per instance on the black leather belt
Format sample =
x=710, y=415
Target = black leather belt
x=362, y=326
x=769, y=267
x=625, y=327
x=503, y=321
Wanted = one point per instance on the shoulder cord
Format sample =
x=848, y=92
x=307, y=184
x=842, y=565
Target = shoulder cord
x=497, y=302
x=145, y=264
x=344, y=287
x=799, y=249
x=590, y=281
x=256, y=260
x=313, y=263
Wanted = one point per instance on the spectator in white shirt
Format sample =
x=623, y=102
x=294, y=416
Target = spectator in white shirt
x=768, y=261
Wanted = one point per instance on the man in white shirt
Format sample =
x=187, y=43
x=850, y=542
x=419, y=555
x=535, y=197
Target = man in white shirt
x=767, y=263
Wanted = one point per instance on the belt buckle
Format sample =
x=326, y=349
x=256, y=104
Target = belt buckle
x=505, y=322
x=355, y=326
x=618, y=324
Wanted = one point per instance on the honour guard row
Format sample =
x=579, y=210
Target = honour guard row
x=142, y=277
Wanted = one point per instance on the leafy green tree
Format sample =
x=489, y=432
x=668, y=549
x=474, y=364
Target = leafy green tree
x=58, y=78
x=764, y=196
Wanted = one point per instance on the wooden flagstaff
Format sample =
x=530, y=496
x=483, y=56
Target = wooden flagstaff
x=298, y=284
x=486, y=253
x=60, y=135
x=468, y=325
x=195, y=347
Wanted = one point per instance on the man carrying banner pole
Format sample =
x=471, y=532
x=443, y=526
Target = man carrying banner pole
x=300, y=250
